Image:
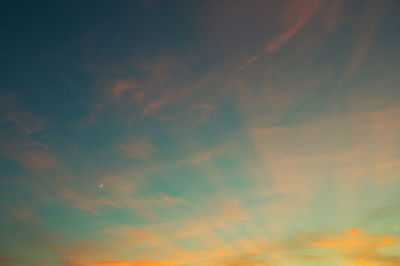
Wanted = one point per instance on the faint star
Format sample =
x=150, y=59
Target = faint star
x=101, y=186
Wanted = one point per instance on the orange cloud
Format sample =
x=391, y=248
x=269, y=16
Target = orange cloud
x=354, y=246
x=244, y=260
x=355, y=238
x=135, y=263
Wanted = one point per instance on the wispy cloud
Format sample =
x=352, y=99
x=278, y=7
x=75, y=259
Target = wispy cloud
x=215, y=138
x=37, y=160
x=332, y=15
x=23, y=120
x=366, y=28
x=299, y=12
x=123, y=86
x=141, y=148
x=26, y=122
x=32, y=155
x=117, y=192
x=176, y=96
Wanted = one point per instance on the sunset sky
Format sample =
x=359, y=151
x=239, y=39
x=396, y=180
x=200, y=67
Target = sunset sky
x=200, y=133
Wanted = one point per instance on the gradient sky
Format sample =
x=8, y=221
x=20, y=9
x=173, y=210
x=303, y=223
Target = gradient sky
x=212, y=132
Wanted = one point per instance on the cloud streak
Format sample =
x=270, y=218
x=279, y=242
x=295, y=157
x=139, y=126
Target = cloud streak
x=302, y=11
x=366, y=28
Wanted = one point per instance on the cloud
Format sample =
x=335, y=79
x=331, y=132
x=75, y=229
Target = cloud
x=165, y=90
x=366, y=28
x=306, y=150
x=147, y=206
x=121, y=87
x=37, y=160
x=354, y=238
x=138, y=96
x=220, y=217
x=203, y=245
x=32, y=155
x=135, y=263
x=249, y=61
x=306, y=165
x=201, y=158
x=244, y=260
x=84, y=202
x=353, y=247
x=26, y=122
x=176, y=96
x=23, y=212
x=296, y=15
x=360, y=248
x=120, y=194
x=331, y=16
x=300, y=11
x=138, y=149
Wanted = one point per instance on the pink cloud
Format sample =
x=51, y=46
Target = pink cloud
x=249, y=61
x=331, y=16
x=32, y=155
x=175, y=96
x=302, y=11
x=138, y=149
x=366, y=29
x=201, y=158
x=296, y=16
x=138, y=96
x=117, y=192
x=25, y=122
x=153, y=106
x=35, y=159
x=84, y=202
x=297, y=157
x=120, y=87
x=148, y=206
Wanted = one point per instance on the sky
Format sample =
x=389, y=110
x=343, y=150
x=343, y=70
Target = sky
x=200, y=133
